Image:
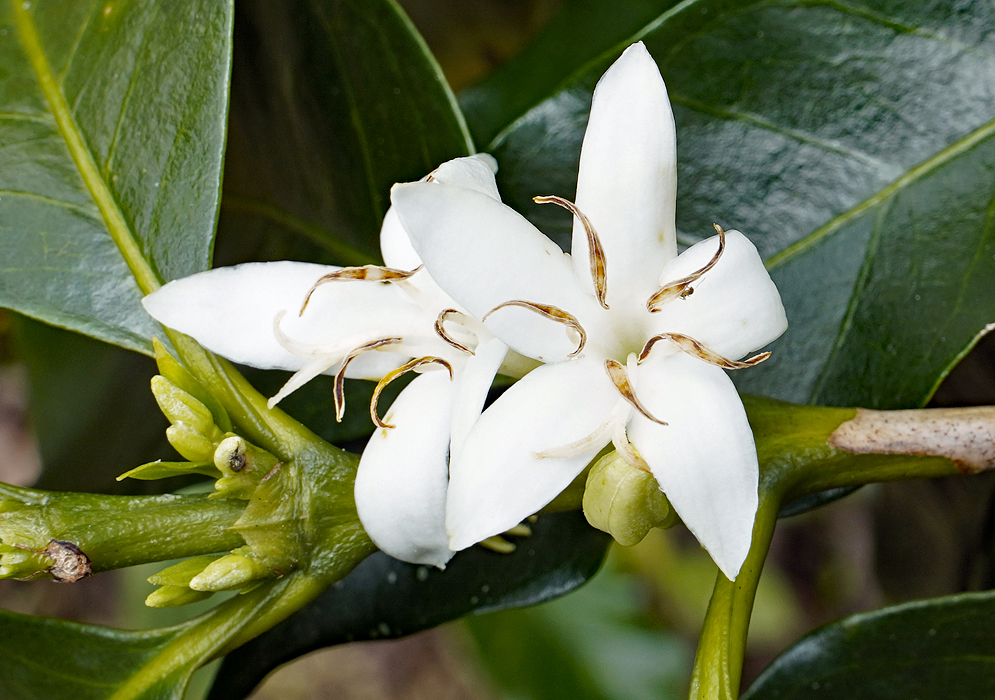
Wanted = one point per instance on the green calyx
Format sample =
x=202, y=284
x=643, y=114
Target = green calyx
x=625, y=501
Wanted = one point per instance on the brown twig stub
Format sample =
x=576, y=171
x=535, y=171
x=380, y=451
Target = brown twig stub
x=69, y=562
x=966, y=436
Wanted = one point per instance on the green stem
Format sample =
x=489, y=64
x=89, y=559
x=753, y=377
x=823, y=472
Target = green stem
x=118, y=531
x=718, y=664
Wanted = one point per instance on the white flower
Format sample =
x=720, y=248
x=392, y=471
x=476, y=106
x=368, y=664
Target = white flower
x=369, y=323
x=634, y=336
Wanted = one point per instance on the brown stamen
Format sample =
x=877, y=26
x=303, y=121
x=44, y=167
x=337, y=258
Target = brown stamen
x=694, y=348
x=553, y=314
x=368, y=273
x=620, y=378
x=682, y=287
x=441, y=331
x=394, y=374
x=338, y=392
x=596, y=251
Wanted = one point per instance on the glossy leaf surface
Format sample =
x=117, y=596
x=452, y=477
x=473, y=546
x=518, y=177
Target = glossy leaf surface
x=592, y=644
x=42, y=658
x=113, y=129
x=853, y=144
x=939, y=649
x=385, y=598
x=332, y=103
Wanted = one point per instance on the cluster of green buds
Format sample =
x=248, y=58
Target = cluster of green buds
x=261, y=522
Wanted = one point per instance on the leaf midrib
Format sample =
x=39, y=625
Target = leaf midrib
x=113, y=218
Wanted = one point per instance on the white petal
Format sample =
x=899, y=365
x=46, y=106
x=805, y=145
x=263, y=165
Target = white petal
x=705, y=459
x=735, y=307
x=483, y=254
x=497, y=481
x=231, y=310
x=402, y=477
x=474, y=381
x=473, y=172
x=627, y=183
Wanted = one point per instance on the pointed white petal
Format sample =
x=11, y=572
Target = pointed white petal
x=735, y=307
x=483, y=254
x=627, y=183
x=497, y=481
x=473, y=172
x=474, y=381
x=402, y=477
x=705, y=459
x=231, y=310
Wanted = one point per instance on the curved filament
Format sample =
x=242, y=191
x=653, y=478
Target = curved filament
x=620, y=378
x=682, y=287
x=368, y=273
x=394, y=374
x=696, y=349
x=599, y=272
x=441, y=330
x=553, y=314
x=338, y=392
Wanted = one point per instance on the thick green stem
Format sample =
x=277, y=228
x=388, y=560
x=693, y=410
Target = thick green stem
x=119, y=531
x=718, y=664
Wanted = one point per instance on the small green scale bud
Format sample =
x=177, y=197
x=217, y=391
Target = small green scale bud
x=175, y=372
x=624, y=500
x=242, y=465
x=20, y=562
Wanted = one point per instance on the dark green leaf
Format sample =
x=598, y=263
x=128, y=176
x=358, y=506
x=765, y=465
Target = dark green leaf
x=333, y=101
x=591, y=644
x=583, y=30
x=853, y=143
x=112, y=117
x=42, y=659
x=939, y=649
x=92, y=411
x=386, y=598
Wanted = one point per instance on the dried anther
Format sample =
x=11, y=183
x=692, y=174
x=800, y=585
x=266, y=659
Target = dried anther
x=70, y=564
x=599, y=272
x=682, y=287
x=553, y=314
x=695, y=349
x=394, y=374
x=620, y=378
x=441, y=330
x=339, y=390
x=368, y=273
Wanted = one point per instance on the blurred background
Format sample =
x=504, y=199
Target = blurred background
x=629, y=634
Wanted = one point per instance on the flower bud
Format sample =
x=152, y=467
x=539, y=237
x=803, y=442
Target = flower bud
x=230, y=572
x=242, y=465
x=624, y=500
x=175, y=596
x=189, y=443
x=180, y=407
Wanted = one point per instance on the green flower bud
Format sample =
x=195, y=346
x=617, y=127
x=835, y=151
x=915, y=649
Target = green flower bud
x=242, y=465
x=175, y=596
x=624, y=500
x=180, y=407
x=231, y=572
x=175, y=372
x=182, y=573
x=190, y=443
x=18, y=562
